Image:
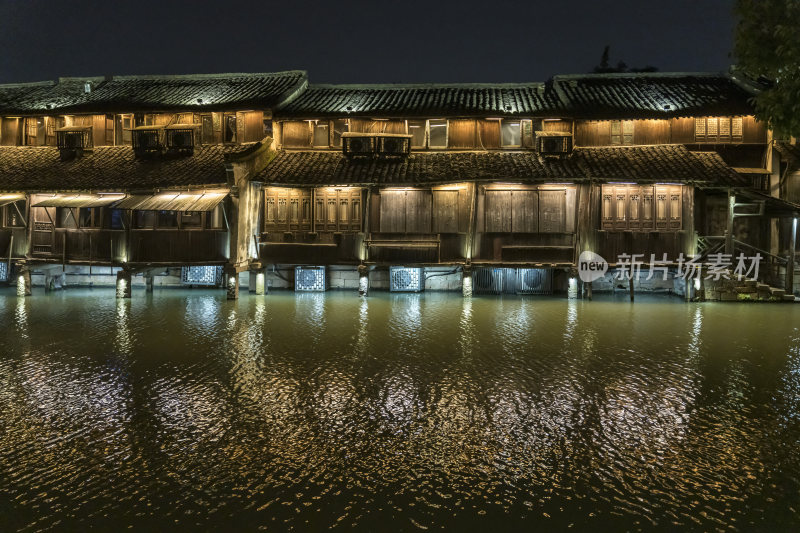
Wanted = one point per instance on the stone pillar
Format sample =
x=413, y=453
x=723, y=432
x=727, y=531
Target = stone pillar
x=589, y=291
x=49, y=282
x=363, y=280
x=572, y=287
x=124, y=284
x=466, y=281
x=148, y=282
x=24, y=283
x=261, y=282
x=232, y=283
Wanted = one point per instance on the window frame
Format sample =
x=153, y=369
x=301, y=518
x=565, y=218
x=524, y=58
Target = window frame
x=446, y=133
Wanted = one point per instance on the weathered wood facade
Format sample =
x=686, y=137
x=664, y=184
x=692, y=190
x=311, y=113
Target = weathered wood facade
x=506, y=174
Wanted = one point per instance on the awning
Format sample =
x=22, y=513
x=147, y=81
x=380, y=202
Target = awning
x=7, y=198
x=78, y=200
x=175, y=201
x=773, y=207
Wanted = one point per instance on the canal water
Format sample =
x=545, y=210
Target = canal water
x=183, y=411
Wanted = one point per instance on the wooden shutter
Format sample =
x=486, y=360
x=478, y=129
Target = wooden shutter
x=418, y=211
x=461, y=134
x=296, y=134
x=646, y=220
x=445, y=211
x=607, y=207
x=700, y=129
x=488, y=134
x=616, y=132
x=675, y=207
x=528, y=140
x=736, y=129
x=498, y=211
x=661, y=208
x=552, y=211
x=634, y=208
x=627, y=132
x=393, y=212
x=525, y=211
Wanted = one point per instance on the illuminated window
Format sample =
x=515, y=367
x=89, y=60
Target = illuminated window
x=718, y=129
x=510, y=133
x=416, y=128
x=321, y=137
x=438, y=133
x=622, y=132
x=641, y=207
x=339, y=126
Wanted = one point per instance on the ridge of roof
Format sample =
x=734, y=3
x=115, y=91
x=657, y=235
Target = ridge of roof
x=219, y=75
x=22, y=85
x=613, y=75
x=378, y=86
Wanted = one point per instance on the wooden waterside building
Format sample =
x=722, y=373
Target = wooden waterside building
x=248, y=170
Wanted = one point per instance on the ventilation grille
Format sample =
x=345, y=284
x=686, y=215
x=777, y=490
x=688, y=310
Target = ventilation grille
x=534, y=281
x=406, y=279
x=3, y=271
x=513, y=281
x=201, y=275
x=310, y=278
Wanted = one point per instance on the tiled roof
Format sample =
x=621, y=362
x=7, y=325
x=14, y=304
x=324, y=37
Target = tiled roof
x=662, y=163
x=153, y=93
x=671, y=163
x=431, y=100
x=789, y=152
x=108, y=168
x=652, y=95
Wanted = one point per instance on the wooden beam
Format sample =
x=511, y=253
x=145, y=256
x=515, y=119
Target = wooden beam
x=790, y=259
x=729, y=229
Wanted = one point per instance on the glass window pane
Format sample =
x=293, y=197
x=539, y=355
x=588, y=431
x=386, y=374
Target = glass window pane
x=191, y=219
x=510, y=133
x=339, y=126
x=416, y=128
x=438, y=133
x=321, y=134
x=145, y=219
x=167, y=219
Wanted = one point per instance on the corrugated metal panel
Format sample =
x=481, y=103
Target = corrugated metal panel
x=176, y=201
x=7, y=198
x=79, y=200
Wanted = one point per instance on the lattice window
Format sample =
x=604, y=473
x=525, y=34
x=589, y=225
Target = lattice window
x=622, y=132
x=4, y=271
x=641, y=207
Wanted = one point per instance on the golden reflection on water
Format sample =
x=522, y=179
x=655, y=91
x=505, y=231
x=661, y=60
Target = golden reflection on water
x=312, y=411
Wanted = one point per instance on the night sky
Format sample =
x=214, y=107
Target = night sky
x=377, y=41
